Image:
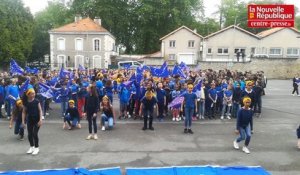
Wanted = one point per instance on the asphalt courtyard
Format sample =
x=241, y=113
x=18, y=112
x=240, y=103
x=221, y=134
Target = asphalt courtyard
x=273, y=144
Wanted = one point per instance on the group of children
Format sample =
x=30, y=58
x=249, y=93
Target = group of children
x=203, y=94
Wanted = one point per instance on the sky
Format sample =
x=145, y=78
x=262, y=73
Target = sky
x=210, y=5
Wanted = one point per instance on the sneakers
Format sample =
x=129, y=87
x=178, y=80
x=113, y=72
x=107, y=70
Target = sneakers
x=246, y=150
x=35, y=151
x=103, y=128
x=228, y=117
x=190, y=131
x=144, y=128
x=194, y=118
x=79, y=126
x=95, y=137
x=129, y=116
x=177, y=119
x=47, y=113
x=222, y=117
x=89, y=137
x=173, y=119
x=185, y=131
x=43, y=117
x=21, y=138
x=236, y=145
x=30, y=151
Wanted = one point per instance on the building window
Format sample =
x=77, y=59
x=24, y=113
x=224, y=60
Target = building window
x=191, y=43
x=172, y=43
x=241, y=50
x=97, y=45
x=61, y=44
x=79, y=44
x=223, y=51
x=171, y=56
x=209, y=51
x=292, y=51
x=275, y=51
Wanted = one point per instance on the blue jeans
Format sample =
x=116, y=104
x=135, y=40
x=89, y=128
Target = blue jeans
x=245, y=134
x=19, y=129
x=64, y=105
x=201, y=110
x=69, y=119
x=235, y=109
x=188, y=111
x=228, y=110
x=110, y=120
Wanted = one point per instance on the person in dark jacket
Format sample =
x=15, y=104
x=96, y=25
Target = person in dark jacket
x=244, y=125
x=237, y=95
x=258, y=89
x=72, y=115
x=147, y=107
x=295, y=86
x=90, y=111
x=249, y=92
x=298, y=136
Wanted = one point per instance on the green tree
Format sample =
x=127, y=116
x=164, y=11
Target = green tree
x=55, y=15
x=16, y=26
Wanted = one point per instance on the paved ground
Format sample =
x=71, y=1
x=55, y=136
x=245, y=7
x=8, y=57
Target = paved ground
x=273, y=144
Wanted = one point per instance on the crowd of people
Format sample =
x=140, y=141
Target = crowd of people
x=86, y=94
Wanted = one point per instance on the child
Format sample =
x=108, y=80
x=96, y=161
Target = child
x=190, y=101
x=107, y=113
x=124, y=100
x=176, y=110
x=147, y=104
x=90, y=111
x=244, y=125
x=212, y=96
x=33, y=112
x=227, y=103
x=72, y=115
x=298, y=136
x=161, y=101
x=17, y=117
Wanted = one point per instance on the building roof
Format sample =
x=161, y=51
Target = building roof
x=182, y=27
x=154, y=55
x=229, y=27
x=273, y=30
x=84, y=25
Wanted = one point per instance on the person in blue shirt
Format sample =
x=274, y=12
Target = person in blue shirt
x=64, y=97
x=107, y=113
x=244, y=125
x=212, y=100
x=109, y=90
x=82, y=93
x=124, y=100
x=2, y=96
x=161, y=100
x=190, y=101
x=13, y=95
x=227, y=103
x=176, y=110
x=74, y=88
x=148, y=104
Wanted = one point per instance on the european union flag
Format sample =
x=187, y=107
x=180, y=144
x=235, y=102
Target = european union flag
x=15, y=69
x=34, y=71
x=132, y=78
x=176, y=103
x=198, y=86
x=24, y=87
x=81, y=68
x=178, y=71
x=63, y=73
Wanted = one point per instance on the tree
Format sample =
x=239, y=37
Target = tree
x=55, y=15
x=16, y=31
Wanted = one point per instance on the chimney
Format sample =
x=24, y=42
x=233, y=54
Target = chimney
x=97, y=20
x=78, y=18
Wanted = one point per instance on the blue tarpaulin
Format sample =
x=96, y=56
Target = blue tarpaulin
x=71, y=171
x=197, y=170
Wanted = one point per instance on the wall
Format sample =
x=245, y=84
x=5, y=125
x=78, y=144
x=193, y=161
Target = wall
x=277, y=68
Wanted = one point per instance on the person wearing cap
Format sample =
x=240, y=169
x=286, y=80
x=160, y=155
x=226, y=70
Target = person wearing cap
x=32, y=111
x=147, y=107
x=72, y=115
x=244, y=125
x=17, y=118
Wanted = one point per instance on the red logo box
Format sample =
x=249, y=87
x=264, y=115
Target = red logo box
x=266, y=16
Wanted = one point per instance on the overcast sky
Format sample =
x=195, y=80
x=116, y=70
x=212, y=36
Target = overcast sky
x=210, y=5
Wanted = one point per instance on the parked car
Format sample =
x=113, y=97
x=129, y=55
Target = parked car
x=129, y=64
